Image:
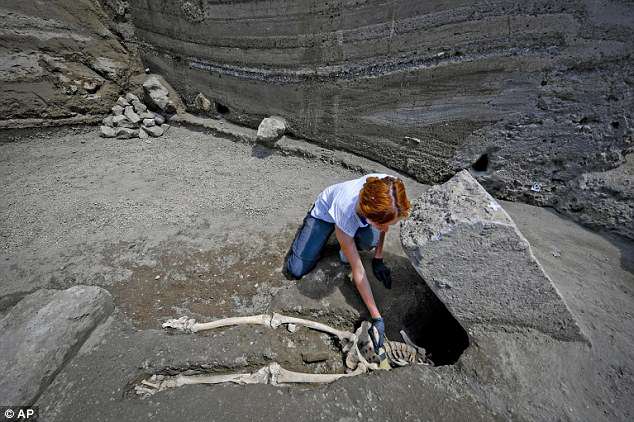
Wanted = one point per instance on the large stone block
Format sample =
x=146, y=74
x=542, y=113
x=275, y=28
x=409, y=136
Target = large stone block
x=40, y=333
x=471, y=253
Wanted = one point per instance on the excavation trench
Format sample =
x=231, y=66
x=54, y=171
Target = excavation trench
x=241, y=275
x=311, y=353
x=241, y=279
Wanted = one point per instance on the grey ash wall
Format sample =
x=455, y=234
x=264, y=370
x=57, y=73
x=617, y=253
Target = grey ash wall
x=543, y=88
x=61, y=62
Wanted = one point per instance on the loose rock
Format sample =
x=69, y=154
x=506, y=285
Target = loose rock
x=118, y=119
x=202, y=103
x=131, y=115
x=131, y=98
x=91, y=86
x=122, y=102
x=107, y=121
x=157, y=95
x=107, y=132
x=270, y=130
x=155, y=131
x=159, y=119
x=124, y=122
x=117, y=110
x=139, y=107
x=126, y=133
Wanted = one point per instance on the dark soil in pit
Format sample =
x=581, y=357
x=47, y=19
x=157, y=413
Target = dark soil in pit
x=223, y=282
x=255, y=346
x=409, y=305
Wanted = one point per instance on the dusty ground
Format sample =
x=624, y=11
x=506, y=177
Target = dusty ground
x=195, y=225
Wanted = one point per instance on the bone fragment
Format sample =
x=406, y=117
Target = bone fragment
x=278, y=320
x=421, y=352
x=191, y=326
x=361, y=341
x=400, y=354
x=289, y=377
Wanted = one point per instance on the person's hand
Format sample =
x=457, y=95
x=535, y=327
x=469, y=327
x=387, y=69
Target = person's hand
x=377, y=333
x=382, y=272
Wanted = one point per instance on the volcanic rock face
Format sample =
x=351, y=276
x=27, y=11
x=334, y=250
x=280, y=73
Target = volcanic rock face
x=469, y=251
x=540, y=90
x=59, y=62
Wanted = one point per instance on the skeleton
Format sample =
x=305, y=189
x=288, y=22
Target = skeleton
x=360, y=356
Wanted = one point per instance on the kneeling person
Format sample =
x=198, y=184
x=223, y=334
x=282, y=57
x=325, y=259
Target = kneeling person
x=360, y=212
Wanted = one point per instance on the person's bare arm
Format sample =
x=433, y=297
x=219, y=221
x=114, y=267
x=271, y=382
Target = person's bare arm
x=359, y=276
x=378, y=252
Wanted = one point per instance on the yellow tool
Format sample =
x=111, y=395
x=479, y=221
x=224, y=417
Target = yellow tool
x=384, y=362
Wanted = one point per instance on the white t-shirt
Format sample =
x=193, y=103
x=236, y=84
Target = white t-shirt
x=338, y=203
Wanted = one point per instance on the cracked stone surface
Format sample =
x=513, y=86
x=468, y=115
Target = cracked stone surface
x=40, y=334
x=471, y=253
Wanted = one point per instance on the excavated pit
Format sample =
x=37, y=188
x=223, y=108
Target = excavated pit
x=207, y=245
x=240, y=279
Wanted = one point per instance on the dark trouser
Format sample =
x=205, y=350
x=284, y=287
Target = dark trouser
x=311, y=238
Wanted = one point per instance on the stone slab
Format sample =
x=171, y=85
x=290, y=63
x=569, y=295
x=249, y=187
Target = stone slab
x=41, y=333
x=472, y=255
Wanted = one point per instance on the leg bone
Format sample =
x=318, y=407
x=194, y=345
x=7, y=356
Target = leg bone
x=191, y=326
x=272, y=374
x=284, y=376
x=278, y=320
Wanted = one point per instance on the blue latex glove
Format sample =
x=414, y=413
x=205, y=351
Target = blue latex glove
x=377, y=333
x=382, y=272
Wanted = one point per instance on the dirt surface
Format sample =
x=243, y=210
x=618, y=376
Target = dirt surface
x=194, y=225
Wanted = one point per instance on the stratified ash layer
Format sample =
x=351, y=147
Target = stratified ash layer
x=538, y=93
x=62, y=62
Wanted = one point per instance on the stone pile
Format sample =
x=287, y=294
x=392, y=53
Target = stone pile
x=131, y=118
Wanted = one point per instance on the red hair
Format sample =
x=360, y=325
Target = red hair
x=382, y=200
